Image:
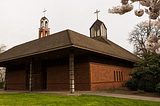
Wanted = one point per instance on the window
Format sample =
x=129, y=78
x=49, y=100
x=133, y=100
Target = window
x=114, y=76
x=41, y=23
x=118, y=76
x=45, y=33
x=41, y=34
x=95, y=31
x=46, y=24
x=121, y=75
x=103, y=31
x=98, y=33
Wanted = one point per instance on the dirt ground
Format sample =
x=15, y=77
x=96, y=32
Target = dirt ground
x=126, y=91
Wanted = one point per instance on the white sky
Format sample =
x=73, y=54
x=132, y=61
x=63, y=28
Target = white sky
x=20, y=19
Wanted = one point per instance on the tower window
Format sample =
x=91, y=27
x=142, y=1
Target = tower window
x=41, y=23
x=46, y=33
x=41, y=34
x=46, y=24
x=98, y=33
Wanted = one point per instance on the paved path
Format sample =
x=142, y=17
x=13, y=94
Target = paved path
x=157, y=99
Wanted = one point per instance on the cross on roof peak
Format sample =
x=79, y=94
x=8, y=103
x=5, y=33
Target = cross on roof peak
x=97, y=11
x=44, y=12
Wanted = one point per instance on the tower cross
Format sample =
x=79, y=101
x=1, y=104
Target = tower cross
x=96, y=13
x=44, y=12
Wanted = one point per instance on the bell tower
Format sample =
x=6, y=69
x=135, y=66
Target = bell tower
x=98, y=28
x=44, y=30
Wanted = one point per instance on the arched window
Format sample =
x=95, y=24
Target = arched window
x=45, y=33
x=41, y=34
x=41, y=23
x=46, y=24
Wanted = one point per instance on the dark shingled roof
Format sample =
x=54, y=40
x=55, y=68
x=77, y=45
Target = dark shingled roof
x=98, y=22
x=43, y=18
x=67, y=39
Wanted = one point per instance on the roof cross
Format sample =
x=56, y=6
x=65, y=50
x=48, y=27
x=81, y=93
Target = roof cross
x=44, y=12
x=97, y=13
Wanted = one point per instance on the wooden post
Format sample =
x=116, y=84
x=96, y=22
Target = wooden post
x=31, y=75
x=6, y=75
x=71, y=71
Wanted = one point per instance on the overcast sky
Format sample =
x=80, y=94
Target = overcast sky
x=20, y=19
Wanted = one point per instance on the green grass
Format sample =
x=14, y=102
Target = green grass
x=57, y=100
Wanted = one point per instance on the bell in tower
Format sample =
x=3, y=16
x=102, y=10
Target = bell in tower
x=44, y=30
x=98, y=28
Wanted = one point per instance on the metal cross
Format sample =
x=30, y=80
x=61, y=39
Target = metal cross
x=96, y=13
x=44, y=12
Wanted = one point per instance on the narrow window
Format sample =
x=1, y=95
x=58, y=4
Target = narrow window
x=41, y=23
x=45, y=33
x=117, y=75
x=114, y=76
x=122, y=75
x=46, y=24
x=41, y=34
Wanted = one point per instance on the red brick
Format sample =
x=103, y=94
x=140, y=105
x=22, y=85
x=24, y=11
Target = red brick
x=102, y=76
x=16, y=79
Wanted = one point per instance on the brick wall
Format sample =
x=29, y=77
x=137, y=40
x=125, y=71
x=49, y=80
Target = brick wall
x=16, y=79
x=102, y=76
x=58, y=77
x=82, y=77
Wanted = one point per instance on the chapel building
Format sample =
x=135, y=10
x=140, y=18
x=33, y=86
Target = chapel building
x=67, y=60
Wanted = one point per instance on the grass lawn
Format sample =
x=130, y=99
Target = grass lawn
x=58, y=100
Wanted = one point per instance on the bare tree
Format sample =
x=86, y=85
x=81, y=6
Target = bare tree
x=2, y=69
x=2, y=74
x=2, y=48
x=138, y=37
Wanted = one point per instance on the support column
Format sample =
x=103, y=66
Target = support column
x=6, y=75
x=31, y=75
x=71, y=71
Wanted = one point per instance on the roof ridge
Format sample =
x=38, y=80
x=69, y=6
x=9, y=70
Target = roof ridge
x=105, y=39
x=123, y=48
x=68, y=32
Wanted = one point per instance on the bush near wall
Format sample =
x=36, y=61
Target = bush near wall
x=132, y=84
x=158, y=88
x=146, y=75
x=135, y=84
x=1, y=84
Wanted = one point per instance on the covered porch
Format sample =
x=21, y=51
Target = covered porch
x=65, y=69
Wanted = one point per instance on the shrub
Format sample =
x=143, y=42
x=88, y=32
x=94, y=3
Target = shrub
x=158, y=88
x=132, y=84
x=1, y=84
x=150, y=86
x=142, y=84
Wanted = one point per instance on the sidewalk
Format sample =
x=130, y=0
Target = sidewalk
x=157, y=99
x=77, y=93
